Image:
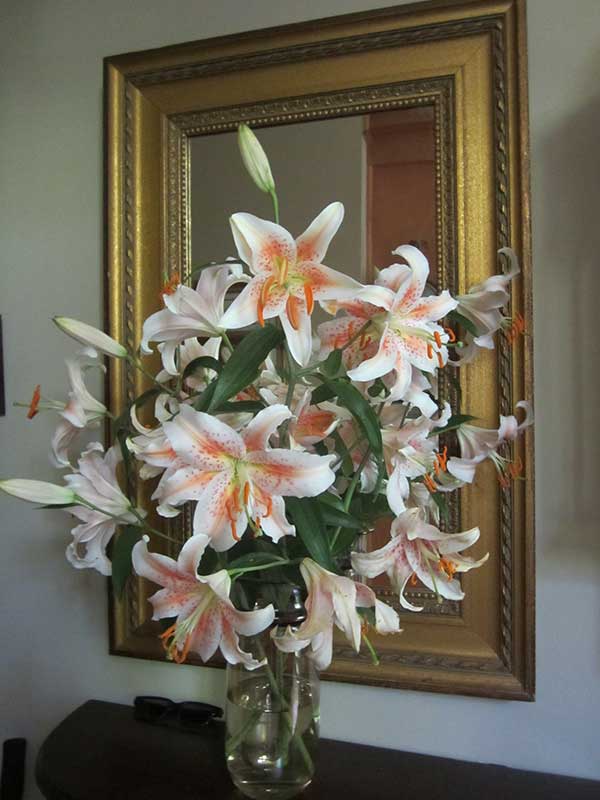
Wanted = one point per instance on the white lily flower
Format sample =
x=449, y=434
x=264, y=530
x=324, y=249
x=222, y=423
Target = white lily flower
x=90, y=336
x=95, y=483
x=482, y=306
x=82, y=410
x=255, y=159
x=289, y=276
x=423, y=551
x=477, y=444
x=206, y=617
x=310, y=423
x=238, y=477
x=399, y=329
x=333, y=600
x=38, y=491
x=189, y=313
x=189, y=350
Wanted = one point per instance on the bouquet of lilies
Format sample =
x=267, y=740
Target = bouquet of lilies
x=291, y=445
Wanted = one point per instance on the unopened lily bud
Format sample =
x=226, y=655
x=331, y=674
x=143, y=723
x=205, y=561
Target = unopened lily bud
x=38, y=492
x=88, y=335
x=255, y=159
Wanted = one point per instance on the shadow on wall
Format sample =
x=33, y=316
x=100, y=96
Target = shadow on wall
x=567, y=294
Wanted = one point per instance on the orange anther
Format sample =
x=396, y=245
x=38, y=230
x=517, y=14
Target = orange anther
x=35, y=401
x=441, y=459
x=246, y=493
x=310, y=299
x=438, y=338
x=413, y=579
x=451, y=334
x=447, y=566
x=292, y=309
x=269, y=507
x=430, y=483
x=169, y=632
x=429, y=350
x=262, y=299
x=170, y=286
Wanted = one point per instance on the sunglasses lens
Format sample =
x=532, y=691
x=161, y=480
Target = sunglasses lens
x=151, y=709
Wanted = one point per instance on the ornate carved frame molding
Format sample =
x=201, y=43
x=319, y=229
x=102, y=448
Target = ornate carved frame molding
x=467, y=60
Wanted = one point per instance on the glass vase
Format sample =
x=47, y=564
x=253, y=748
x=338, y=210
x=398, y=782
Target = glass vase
x=272, y=722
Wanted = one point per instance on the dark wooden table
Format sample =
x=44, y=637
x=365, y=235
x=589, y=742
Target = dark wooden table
x=100, y=752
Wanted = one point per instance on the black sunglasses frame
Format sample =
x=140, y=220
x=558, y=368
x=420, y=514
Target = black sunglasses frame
x=187, y=715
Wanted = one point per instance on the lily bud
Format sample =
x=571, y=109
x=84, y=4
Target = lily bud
x=38, y=492
x=255, y=159
x=88, y=335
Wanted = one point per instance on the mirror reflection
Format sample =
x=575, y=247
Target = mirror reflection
x=381, y=166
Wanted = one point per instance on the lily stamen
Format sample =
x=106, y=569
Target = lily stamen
x=170, y=285
x=263, y=297
x=430, y=483
x=447, y=566
x=292, y=309
x=451, y=334
x=438, y=338
x=35, y=402
x=309, y=297
x=441, y=461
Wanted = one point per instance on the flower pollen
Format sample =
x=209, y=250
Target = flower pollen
x=35, y=402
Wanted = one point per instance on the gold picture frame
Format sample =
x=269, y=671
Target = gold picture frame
x=467, y=60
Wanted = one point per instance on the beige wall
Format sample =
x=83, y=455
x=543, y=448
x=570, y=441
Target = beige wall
x=53, y=619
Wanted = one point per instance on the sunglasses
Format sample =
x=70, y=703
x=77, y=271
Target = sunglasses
x=162, y=711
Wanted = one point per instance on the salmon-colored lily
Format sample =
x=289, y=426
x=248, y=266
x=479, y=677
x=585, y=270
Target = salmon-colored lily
x=288, y=276
x=397, y=325
x=206, y=617
x=421, y=550
x=236, y=478
x=333, y=600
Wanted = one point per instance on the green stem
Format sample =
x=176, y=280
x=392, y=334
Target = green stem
x=281, y=562
x=138, y=365
x=141, y=524
x=227, y=340
x=371, y=649
x=273, y=194
x=350, y=492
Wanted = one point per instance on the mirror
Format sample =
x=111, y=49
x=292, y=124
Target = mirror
x=381, y=166
x=416, y=119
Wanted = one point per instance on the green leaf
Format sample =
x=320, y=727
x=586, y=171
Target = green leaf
x=344, y=542
x=460, y=319
x=306, y=517
x=121, y=436
x=455, y=421
x=244, y=365
x=336, y=518
x=204, y=362
x=242, y=405
x=442, y=504
x=331, y=367
x=121, y=557
x=332, y=500
x=360, y=409
x=321, y=394
x=202, y=402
